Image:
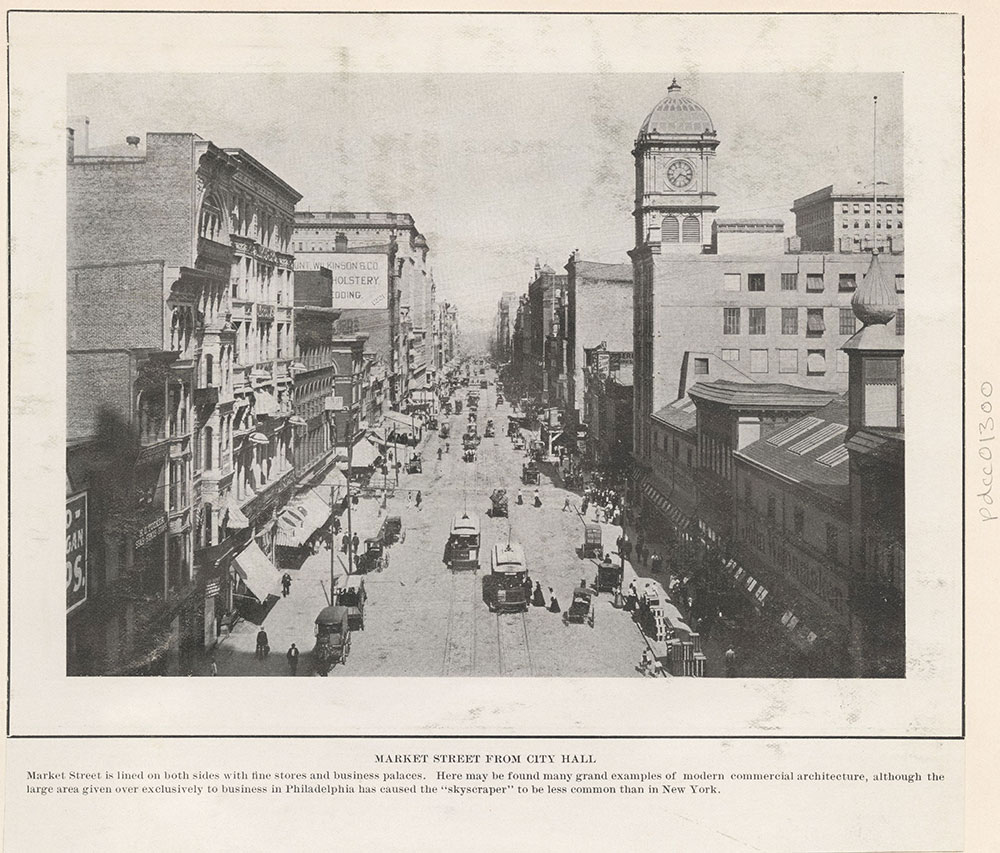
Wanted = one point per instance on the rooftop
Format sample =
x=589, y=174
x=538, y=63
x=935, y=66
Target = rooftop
x=847, y=192
x=811, y=451
x=681, y=413
x=759, y=395
x=603, y=272
x=677, y=115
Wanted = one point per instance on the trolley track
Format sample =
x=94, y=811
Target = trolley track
x=513, y=647
x=460, y=636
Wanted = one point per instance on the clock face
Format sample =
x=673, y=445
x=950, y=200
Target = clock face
x=680, y=173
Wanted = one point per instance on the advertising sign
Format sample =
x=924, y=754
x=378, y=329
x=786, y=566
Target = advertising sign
x=359, y=280
x=76, y=551
x=150, y=531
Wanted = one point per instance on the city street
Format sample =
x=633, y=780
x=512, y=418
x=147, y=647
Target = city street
x=423, y=619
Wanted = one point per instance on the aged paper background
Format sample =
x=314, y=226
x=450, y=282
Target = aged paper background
x=927, y=49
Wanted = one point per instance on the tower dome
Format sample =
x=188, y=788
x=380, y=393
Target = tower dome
x=874, y=303
x=677, y=115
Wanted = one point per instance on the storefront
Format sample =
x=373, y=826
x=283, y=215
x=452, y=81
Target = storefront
x=256, y=583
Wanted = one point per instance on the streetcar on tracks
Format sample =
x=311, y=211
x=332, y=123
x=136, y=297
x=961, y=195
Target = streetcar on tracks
x=462, y=550
x=507, y=588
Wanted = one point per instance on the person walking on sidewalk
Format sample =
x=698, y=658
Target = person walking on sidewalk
x=263, y=649
x=567, y=504
x=420, y=498
x=293, y=658
x=730, y=662
x=286, y=584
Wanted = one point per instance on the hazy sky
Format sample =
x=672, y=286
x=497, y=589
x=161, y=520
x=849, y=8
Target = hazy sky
x=501, y=169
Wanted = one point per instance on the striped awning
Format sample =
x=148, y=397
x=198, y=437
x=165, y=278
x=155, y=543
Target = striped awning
x=303, y=516
x=679, y=519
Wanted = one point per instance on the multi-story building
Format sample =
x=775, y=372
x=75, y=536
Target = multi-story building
x=794, y=497
x=546, y=293
x=607, y=406
x=506, y=310
x=385, y=287
x=219, y=223
x=598, y=311
x=726, y=298
x=836, y=219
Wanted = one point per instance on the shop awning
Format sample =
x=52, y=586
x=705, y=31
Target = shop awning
x=304, y=515
x=363, y=455
x=257, y=572
x=234, y=518
x=334, y=477
x=680, y=520
x=398, y=423
x=264, y=404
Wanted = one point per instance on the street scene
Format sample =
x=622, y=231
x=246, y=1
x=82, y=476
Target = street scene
x=426, y=394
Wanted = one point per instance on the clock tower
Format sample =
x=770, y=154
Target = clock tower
x=674, y=202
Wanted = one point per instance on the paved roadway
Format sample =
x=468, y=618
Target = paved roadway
x=422, y=618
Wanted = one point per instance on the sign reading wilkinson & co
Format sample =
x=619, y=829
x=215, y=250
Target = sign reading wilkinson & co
x=76, y=551
x=359, y=280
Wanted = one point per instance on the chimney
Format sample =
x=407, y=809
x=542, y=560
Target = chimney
x=81, y=134
x=133, y=142
x=794, y=243
x=340, y=242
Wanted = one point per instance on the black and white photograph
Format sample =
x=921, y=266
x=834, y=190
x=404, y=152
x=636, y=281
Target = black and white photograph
x=498, y=430
x=486, y=375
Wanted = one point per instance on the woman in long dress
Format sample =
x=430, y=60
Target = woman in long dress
x=538, y=597
x=553, y=603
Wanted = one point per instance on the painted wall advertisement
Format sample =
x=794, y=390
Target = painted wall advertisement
x=76, y=551
x=359, y=280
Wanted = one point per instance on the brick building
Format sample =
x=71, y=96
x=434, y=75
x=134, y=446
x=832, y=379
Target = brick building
x=598, y=310
x=219, y=224
x=607, y=406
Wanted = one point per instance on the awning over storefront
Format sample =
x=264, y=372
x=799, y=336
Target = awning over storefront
x=304, y=515
x=663, y=505
x=399, y=423
x=258, y=573
x=234, y=518
x=363, y=455
x=264, y=404
x=422, y=395
x=334, y=477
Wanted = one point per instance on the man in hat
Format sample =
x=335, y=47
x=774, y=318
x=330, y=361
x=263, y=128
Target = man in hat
x=293, y=658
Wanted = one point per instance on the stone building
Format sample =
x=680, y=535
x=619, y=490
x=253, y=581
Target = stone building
x=836, y=219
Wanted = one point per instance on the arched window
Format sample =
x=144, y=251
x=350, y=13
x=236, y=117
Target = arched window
x=692, y=230
x=671, y=230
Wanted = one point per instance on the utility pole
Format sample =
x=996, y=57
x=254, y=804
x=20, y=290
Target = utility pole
x=350, y=500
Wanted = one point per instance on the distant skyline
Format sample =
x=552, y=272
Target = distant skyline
x=500, y=169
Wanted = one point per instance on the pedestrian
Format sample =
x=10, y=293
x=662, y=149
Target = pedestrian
x=538, y=498
x=553, y=603
x=293, y=658
x=354, y=543
x=286, y=584
x=439, y=454
x=730, y=662
x=520, y=497
x=213, y=668
x=262, y=646
x=538, y=597
x=585, y=505
x=345, y=544
x=420, y=498
x=567, y=505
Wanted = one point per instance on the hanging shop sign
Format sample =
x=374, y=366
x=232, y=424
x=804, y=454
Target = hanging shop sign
x=148, y=532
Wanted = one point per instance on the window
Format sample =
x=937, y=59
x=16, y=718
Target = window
x=690, y=457
x=899, y=223
x=670, y=230
x=881, y=385
x=691, y=230
x=755, y=282
x=888, y=224
x=814, y=282
x=855, y=208
x=848, y=282
x=799, y=520
x=831, y=540
x=816, y=362
x=888, y=208
x=747, y=492
x=847, y=321
x=730, y=355
x=789, y=321
x=758, y=321
x=899, y=321
x=844, y=224
x=857, y=224
x=732, y=281
x=701, y=367
x=868, y=208
x=843, y=208
x=677, y=448
x=789, y=281
x=772, y=508
x=758, y=361
x=868, y=224
x=843, y=362
x=899, y=283
x=731, y=321
x=815, y=326
x=899, y=208
x=788, y=361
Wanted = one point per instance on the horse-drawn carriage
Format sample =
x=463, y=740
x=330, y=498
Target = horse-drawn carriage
x=529, y=474
x=500, y=504
x=581, y=609
x=415, y=465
